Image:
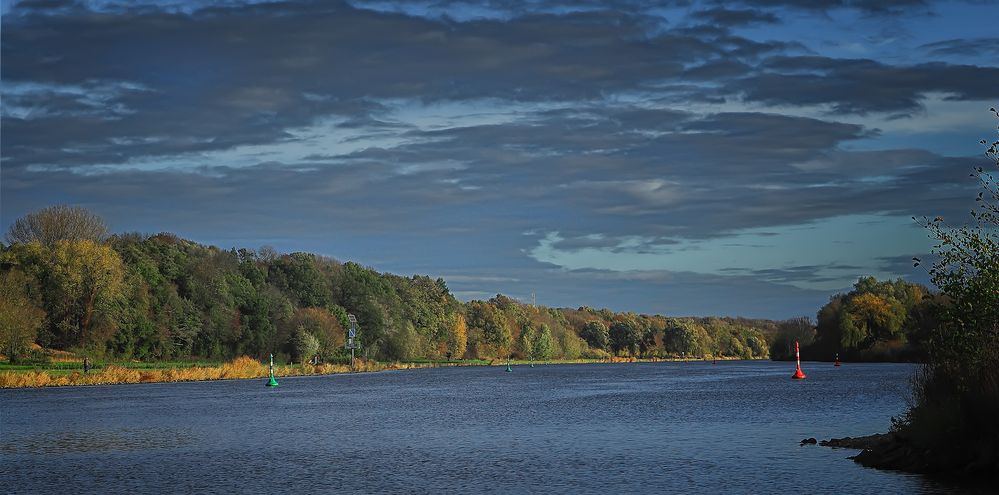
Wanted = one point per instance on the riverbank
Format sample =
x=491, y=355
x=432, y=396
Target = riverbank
x=239, y=368
x=894, y=451
x=245, y=368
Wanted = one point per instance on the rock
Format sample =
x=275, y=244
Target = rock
x=896, y=451
x=857, y=443
x=808, y=441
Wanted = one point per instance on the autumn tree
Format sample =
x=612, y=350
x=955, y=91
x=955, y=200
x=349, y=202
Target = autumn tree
x=457, y=336
x=868, y=317
x=20, y=318
x=489, y=321
x=82, y=283
x=321, y=324
x=874, y=312
x=58, y=223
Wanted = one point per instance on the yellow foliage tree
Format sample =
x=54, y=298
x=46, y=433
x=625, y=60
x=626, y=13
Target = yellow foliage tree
x=83, y=285
x=870, y=316
x=321, y=324
x=457, y=338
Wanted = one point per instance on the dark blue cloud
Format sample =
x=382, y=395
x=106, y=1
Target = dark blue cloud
x=437, y=138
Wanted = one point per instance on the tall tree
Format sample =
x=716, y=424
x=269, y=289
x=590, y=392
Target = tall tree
x=967, y=272
x=543, y=345
x=798, y=329
x=457, y=337
x=82, y=285
x=58, y=223
x=489, y=321
x=868, y=317
x=525, y=342
x=625, y=337
x=952, y=420
x=595, y=334
x=20, y=317
x=323, y=325
x=684, y=337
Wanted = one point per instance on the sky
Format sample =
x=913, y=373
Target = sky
x=749, y=157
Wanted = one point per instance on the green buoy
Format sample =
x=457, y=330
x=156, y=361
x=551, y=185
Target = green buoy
x=508, y=368
x=272, y=382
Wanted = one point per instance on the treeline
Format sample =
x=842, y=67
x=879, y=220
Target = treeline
x=503, y=326
x=162, y=297
x=888, y=320
x=67, y=284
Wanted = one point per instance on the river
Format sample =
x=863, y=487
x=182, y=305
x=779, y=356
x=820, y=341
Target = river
x=731, y=427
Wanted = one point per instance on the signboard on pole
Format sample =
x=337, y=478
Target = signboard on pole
x=351, y=335
x=352, y=332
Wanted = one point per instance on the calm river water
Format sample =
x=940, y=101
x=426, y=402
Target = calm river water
x=733, y=427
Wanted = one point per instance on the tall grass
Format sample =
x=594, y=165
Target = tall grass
x=952, y=416
x=239, y=368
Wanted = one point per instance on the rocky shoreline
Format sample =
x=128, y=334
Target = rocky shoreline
x=894, y=451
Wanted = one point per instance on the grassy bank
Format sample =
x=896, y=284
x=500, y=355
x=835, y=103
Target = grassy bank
x=70, y=373
x=239, y=368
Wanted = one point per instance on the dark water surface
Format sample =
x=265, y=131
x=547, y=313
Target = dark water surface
x=733, y=427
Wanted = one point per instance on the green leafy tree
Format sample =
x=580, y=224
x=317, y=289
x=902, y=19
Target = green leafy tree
x=403, y=343
x=543, y=345
x=595, y=334
x=625, y=337
x=684, y=337
x=324, y=326
x=967, y=272
x=951, y=422
x=20, y=317
x=299, y=275
x=800, y=329
x=569, y=343
x=526, y=342
x=734, y=347
x=868, y=317
x=757, y=346
x=306, y=345
x=489, y=321
x=874, y=312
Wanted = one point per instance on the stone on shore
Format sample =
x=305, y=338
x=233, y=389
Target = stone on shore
x=895, y=451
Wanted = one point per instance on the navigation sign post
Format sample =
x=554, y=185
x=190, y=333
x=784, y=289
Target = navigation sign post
x=272, y=382
x=351, y=335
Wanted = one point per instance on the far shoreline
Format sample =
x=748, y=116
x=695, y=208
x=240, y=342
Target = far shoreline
x=249, y=369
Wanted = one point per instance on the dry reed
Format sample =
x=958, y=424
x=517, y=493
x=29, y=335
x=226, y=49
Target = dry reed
x=240, y=368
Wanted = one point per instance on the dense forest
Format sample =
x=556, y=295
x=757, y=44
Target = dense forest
x=69, y=285
x=887, y=320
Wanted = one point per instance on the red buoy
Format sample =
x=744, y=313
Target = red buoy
x=837, y=360
x=798, y=375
